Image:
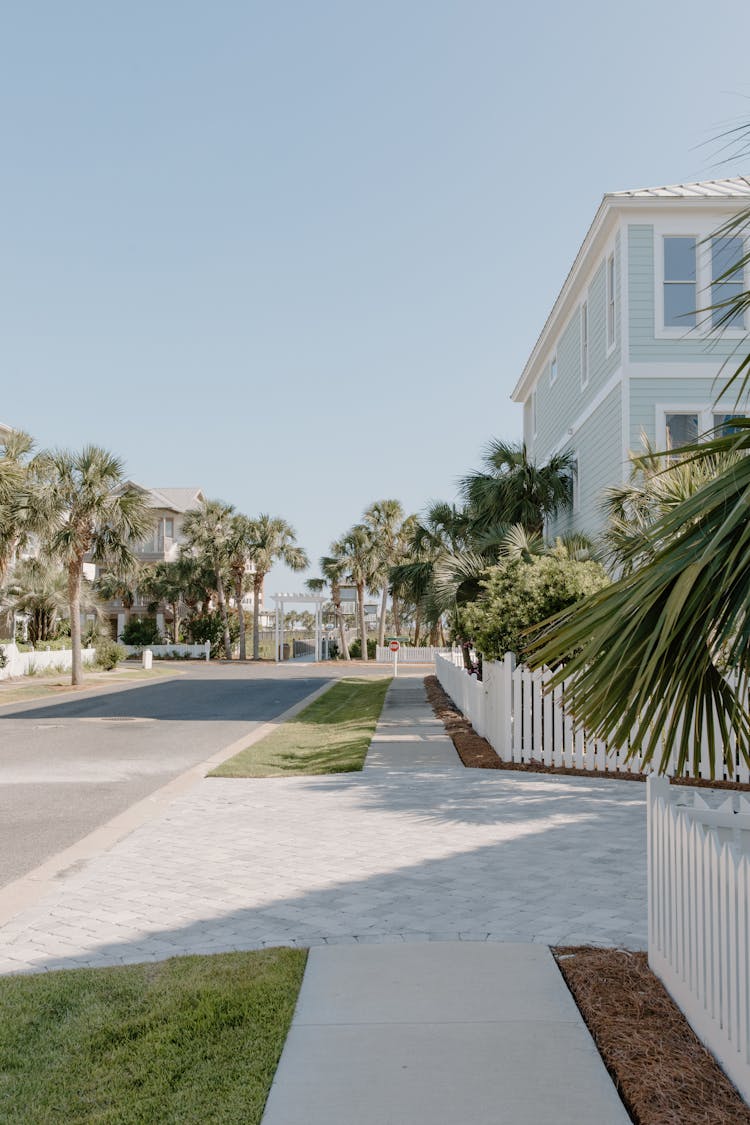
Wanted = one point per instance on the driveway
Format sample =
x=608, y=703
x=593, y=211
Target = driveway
x=413, y=848
x=69, y=766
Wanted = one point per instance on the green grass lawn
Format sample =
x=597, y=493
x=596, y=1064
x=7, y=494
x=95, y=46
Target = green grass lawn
x=190, y=1040
x=332, y=735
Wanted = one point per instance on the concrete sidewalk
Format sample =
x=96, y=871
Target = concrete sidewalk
x=445, y=1033
x=440, y=1032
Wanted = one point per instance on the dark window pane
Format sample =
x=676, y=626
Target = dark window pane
x=682, y=429
x=679, y=306
x=726, y=253
x=679, y=259
x=725, y=422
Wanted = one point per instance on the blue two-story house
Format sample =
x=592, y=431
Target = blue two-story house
x=624, y=353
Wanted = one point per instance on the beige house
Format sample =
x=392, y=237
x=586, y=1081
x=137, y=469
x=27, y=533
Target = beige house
x=169, y=506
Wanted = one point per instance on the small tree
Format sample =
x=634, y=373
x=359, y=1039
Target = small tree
x=273, y=541
x=522, y=593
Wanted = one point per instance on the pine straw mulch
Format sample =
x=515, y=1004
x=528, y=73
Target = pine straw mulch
x=476, y=753
x=662, y=1072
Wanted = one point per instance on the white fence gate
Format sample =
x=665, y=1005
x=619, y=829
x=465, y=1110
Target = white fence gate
x=523, y=722
x=409, y=654
x=698, y=921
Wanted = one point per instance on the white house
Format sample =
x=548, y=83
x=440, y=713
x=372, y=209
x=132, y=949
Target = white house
x=623, y=352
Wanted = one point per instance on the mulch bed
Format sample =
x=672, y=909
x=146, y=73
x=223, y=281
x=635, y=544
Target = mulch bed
x=662, y=1072
x=476, y=753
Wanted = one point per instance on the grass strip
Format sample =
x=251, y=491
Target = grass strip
x=14, y=692
x=192, y=1039
x=332, y=735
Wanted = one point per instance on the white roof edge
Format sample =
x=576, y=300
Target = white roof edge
x=621, y=200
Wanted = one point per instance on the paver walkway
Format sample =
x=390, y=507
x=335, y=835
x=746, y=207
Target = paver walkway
x=413, y=848
x=440, y=1034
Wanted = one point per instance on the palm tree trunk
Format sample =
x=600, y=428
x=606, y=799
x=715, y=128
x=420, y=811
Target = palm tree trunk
x=75, y=570
x=220, y=597
x=362, y=626
x=241, y=612
x=257, y=587
x=176, y=621
x=383, y=609
x=396, y=610
x=336, y=598
x=417, y=623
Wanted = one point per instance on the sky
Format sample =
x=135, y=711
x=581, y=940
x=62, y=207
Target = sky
x=297, y=254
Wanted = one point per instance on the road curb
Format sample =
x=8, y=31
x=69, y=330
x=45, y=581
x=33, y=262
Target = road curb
x=32, y=886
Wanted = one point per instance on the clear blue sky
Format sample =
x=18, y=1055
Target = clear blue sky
x=297, y=253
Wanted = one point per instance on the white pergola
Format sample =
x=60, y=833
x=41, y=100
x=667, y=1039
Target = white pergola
x=280, y=600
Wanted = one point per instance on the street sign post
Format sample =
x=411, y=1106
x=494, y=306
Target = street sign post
x=394, y=647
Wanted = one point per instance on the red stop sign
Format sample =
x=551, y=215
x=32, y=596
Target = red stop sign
x=395, y=646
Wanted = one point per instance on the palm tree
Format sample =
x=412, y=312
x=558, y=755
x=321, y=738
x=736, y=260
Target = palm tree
x=385, y=519
x=240, y=551
x=442, y=533
x=167, y=582
x=274, y=540
x=359, y=553
x=665, y=651
x=89, y=510
x=654, y=489
x=38, y=589
x=333, y=568
x=511, y=489
x=207, y=532
x=19, y=515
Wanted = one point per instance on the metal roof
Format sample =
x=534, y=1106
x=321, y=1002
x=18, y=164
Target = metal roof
x=179, y=499
x=737, y=186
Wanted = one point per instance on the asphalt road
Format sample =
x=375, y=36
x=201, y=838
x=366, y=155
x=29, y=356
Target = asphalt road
x=69, y=766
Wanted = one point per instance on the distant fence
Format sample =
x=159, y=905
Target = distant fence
x=698, y=921
x=510, y=708
x=40, y=660
x=182, y=652
x=410, y=654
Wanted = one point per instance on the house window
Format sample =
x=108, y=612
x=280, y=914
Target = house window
x=723, y=424
x=682, y=429
x=553, y=370
x=611, y=301
x=679, y=282
x=727, y=279
x=584, y=344
x=169, y=529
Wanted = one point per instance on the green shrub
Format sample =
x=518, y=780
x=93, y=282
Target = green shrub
x=109, y=653
x=140, y=631
x=355, y=649
x=210, y=627
x=520, y=594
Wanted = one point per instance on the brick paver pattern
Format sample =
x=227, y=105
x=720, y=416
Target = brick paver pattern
x=385, y=855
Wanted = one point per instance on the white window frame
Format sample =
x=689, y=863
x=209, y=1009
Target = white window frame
x=611, y=289
x=704, y=410
x=585, y=342
x=553, y=369
x=703, y=283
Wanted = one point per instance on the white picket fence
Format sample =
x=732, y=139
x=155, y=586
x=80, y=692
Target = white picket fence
x=510, y=708
x=40, y=660
x=698, y=916
x=195, y=652
x=410, y=654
